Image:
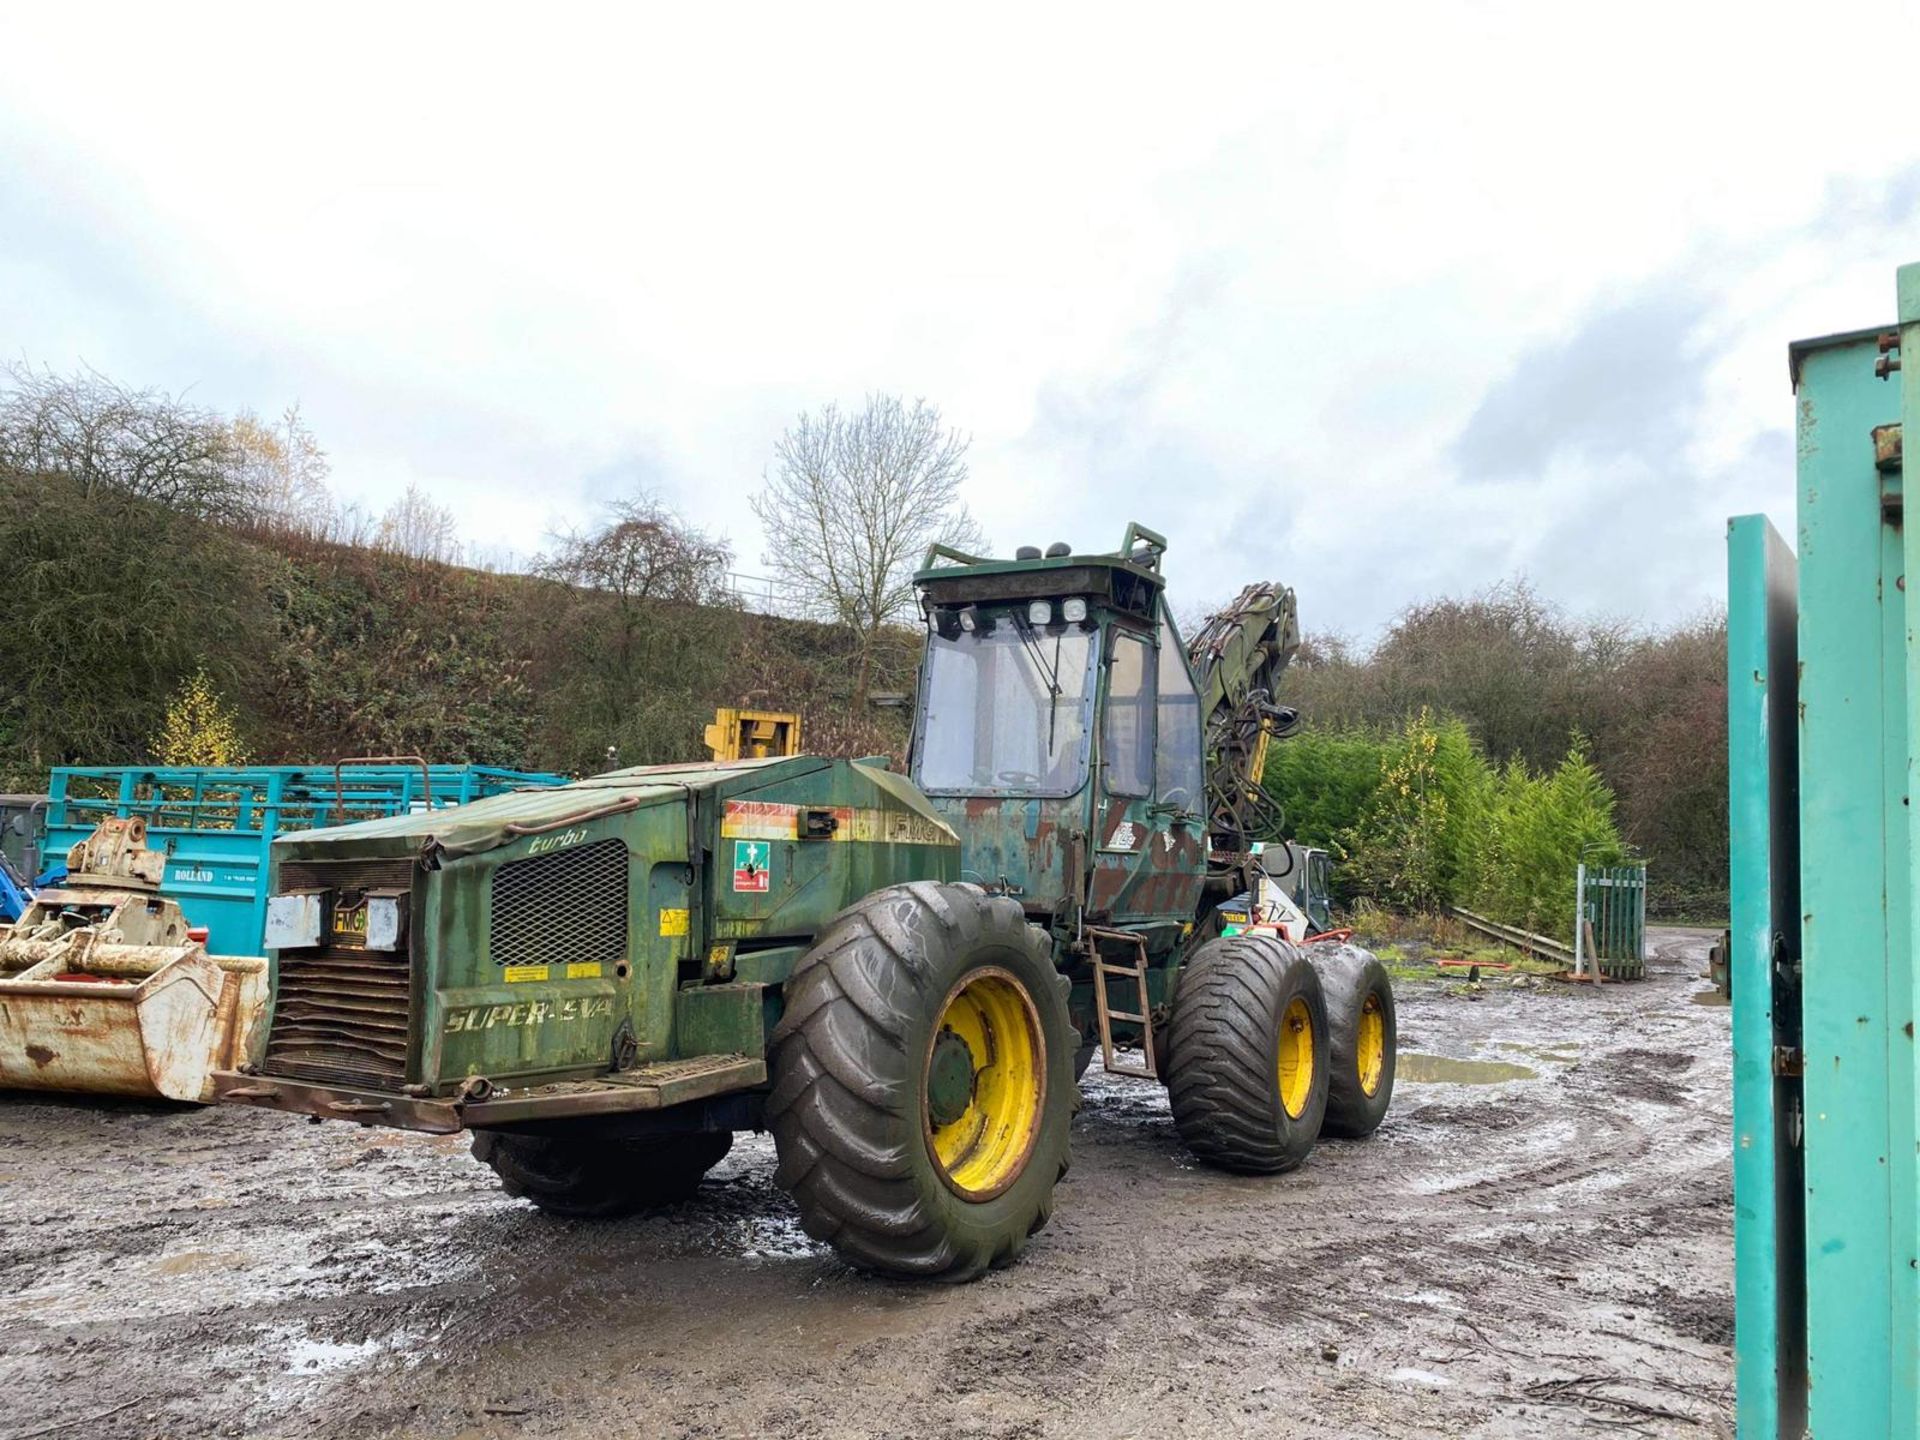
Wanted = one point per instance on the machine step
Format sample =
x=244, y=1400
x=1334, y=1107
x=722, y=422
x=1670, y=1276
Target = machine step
x=1137, y=972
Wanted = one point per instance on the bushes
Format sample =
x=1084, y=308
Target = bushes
x=1540, y=829
x=200, y=728
x=1419, y=820
x=111, y=602
x=1324, y=778
x=1526, y=678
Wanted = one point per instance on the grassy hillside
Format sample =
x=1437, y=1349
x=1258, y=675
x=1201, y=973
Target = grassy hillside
x=112, y=603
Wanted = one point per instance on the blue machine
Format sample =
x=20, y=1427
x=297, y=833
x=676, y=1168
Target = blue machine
x=216, y=824
x=15, y=893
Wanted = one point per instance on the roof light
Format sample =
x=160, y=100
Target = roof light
x=1074, y=609
x=970, y=619
x=1039, y=612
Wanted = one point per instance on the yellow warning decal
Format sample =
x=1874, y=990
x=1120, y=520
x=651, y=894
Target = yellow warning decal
x=673, y=922
x=583, y=970
x=515, y=974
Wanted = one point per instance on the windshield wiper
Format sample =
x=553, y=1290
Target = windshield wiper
x=1050, y=673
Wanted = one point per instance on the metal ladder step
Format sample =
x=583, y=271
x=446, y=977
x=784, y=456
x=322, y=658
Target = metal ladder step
x=1137, y=971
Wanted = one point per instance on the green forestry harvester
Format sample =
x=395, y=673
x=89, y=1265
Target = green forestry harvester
x=900, y=976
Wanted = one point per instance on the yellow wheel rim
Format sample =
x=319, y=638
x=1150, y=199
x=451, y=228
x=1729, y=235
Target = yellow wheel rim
x=1370, y=1054
x=984, y=1084
x=1296, y=1057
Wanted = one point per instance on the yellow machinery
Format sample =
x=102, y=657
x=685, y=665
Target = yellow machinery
x=105, y=989
x=753, y=734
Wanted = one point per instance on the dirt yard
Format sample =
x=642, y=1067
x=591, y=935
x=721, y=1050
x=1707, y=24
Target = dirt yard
x=1538, y=1242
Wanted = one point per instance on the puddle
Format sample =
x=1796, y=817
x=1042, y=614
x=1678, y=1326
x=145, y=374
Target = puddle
x=305, y=1354
x=778, y=1238
x=1416, y=1069
x=1562, y=1052
x=306, y=1357
x=1708, y=997
x=195, y=1262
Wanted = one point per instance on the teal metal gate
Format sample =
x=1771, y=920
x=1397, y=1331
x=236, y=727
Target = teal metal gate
x=1611, y=920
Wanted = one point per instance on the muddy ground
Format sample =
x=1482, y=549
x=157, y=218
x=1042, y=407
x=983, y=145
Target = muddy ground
x=1539, y=1247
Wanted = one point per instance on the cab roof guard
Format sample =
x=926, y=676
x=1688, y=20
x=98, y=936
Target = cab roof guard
x=1142, y=547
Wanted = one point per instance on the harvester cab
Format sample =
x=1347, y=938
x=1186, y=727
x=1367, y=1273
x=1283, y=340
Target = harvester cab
x=1059, y=733
x=899, y=976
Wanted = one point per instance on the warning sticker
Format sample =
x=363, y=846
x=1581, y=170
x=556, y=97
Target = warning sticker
x=751, y=861
x=673, y=922
x=520, y=974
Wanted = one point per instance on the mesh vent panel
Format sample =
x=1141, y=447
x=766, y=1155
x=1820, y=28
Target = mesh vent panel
x=561, y=908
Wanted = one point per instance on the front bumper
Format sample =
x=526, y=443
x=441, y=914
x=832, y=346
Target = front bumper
x=654, y=1086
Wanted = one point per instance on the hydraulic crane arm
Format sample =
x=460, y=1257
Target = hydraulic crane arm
x=1237, y=657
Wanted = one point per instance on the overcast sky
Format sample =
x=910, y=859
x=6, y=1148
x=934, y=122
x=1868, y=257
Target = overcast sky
x=1381, y=301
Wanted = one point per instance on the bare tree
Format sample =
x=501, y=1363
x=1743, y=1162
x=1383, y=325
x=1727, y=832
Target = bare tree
x=852, y=504
x=638, y=629
x=415, y=526
x=109, y=440
x=284, y=472
x=643, y=553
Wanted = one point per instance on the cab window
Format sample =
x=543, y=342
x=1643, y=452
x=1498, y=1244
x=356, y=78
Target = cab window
x=1127, y=737
x=1178, y=756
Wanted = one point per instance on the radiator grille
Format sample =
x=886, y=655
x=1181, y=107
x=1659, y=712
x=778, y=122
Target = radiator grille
x=341, y=1013
x=560, y=908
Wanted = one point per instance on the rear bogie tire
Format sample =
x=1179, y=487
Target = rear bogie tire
x=1363, y=1042
x=1247, y=1056
x=591, y=1178
x=876, y=1078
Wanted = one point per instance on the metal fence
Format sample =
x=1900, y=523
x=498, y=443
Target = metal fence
x=1610, y=921
x=765, y=595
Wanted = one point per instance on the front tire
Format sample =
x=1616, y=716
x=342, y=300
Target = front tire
x=1247, y=1071
x=592, y=1179
x=923, y=1082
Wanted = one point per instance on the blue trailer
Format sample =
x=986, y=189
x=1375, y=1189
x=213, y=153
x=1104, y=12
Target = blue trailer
x=216, y=824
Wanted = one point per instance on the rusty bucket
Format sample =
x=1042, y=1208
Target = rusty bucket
x=104, y=990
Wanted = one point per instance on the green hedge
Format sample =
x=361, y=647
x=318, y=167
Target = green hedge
x=1418, y=819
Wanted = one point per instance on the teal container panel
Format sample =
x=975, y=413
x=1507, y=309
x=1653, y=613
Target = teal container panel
x=1763, y=811
x=1855, y=901
x=215, y=823
x=1903, y=1063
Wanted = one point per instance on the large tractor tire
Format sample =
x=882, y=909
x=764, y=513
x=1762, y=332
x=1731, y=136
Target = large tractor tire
x=1247, y=1049
x=594, y=1179
x=1083, y=1059
x=923, y=1082
x=1363, y=1042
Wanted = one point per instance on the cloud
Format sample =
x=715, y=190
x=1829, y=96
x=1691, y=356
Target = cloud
x=1626, y=385
x=1383, y=318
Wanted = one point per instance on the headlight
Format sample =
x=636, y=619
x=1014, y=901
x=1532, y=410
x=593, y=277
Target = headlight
x=1039, y=612
x=293, y=921
x=386, y=919
x=970, y=619
x=1074, y=609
